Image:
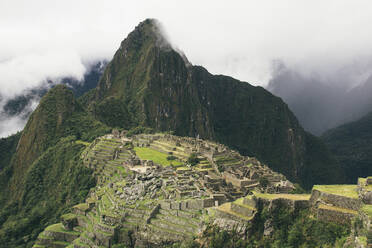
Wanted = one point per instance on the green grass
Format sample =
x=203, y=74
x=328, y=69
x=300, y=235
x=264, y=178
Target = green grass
x=362, y=180
x=240, y=203
x=368, y=210
x=337, y=209
x=59, y=228
x=68, y=216
x=145, y=153
x=342, y=190
x=82, y=142
x=363, y=240
x=82, y=206
x=285, y=196
x=61, y=243
x=226, y=207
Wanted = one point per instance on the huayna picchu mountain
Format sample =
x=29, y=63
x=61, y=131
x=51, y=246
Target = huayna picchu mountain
x=149, y=83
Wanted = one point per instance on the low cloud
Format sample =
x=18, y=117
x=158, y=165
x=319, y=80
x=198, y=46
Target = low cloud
x=29, y=71
x=321, y=103
x=326, y=40
x=12, y=124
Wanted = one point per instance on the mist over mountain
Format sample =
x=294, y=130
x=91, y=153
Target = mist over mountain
x=160, y=150
x=14, y=111
x=323, y=103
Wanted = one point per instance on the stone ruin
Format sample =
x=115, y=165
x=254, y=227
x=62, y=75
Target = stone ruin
x=138, y=200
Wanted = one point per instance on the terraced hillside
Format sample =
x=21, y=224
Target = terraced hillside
x=148, y=191
x=161, y=189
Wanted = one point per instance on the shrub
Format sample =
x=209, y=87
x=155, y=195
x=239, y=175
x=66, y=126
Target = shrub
x=193, y=159
x=171, y=157
x=138, y=130
x=264, y=182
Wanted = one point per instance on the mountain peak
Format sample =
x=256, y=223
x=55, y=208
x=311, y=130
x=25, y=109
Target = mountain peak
x=145, y=52
x=148, y=31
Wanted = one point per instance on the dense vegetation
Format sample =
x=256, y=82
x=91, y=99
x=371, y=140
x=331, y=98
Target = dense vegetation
x=290, y=229
x=7, y=149
x=352, y=146
x=53, y=183
x=45, y=175
x=148, y=83
x=18, y=105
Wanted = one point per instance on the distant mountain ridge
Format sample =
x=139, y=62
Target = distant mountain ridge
x=318, y=105
x=44, y=174
x=351, y=144
x=22, y=105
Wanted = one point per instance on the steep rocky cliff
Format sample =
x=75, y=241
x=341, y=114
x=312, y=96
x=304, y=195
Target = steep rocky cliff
x=151, y=84
x=44, y=175
x=351, y=145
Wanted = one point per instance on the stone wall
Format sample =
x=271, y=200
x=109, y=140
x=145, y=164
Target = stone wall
x=336, y=200
x=280, y=202
x=193, y=204
x=369, y=181
x=242, y=210
x=334, y=216
x=64, y=236
x=240, y=183
x=226, y=215
x=367, y=222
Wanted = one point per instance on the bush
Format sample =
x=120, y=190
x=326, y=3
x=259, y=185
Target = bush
x=193, y=159
x=171, y=157
x=298, y=189
x=263, y=182
x=138, y=130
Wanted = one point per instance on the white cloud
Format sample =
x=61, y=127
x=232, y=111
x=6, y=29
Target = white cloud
x=12, y=124
x=47, y=39
x=238, y=38
x=31, y=70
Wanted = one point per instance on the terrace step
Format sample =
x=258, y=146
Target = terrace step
x=185, y=215
x=176, y=221
x=166, y=149
x=59, y=244
x=342, y=196
x=134, y=220
x=225, y=211
x=335, y=214
x=78, y=243
x=169, y=234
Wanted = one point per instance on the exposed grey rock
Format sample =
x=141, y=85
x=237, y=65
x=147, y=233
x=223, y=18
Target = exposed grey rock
x=268, y=227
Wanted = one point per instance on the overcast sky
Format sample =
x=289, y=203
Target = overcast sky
x=42, y=39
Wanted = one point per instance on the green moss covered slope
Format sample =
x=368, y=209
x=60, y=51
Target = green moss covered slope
x=45, y=174
x=351, y=145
